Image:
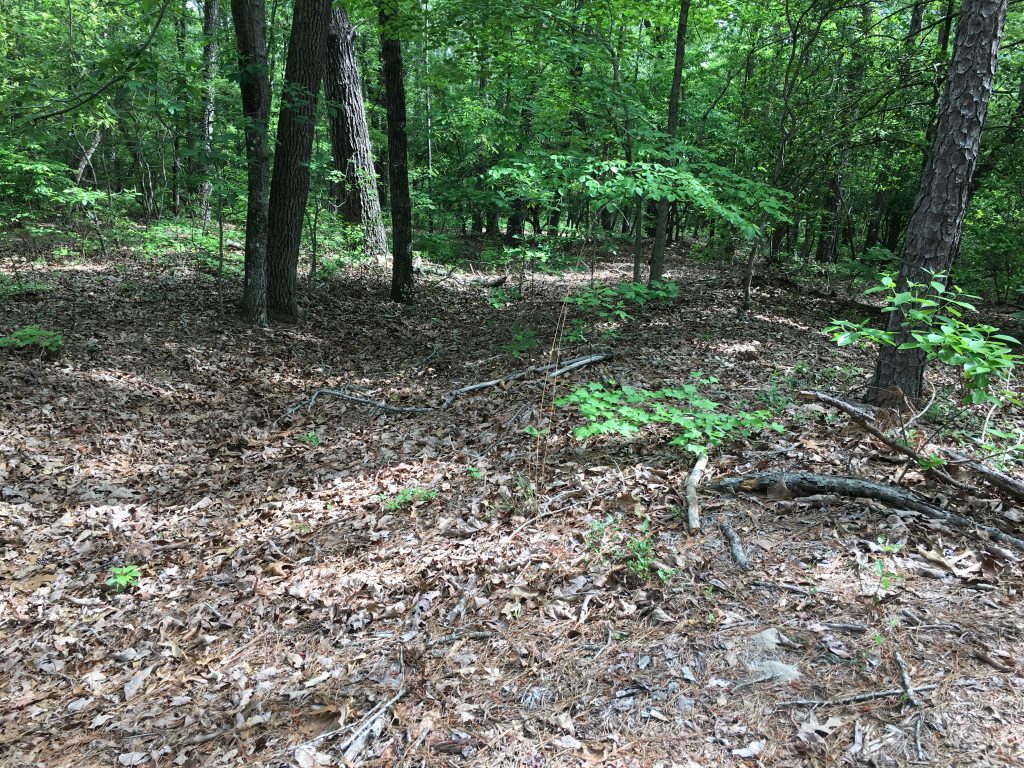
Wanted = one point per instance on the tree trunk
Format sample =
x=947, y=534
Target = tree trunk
x=289, y=186
x=350, y=135
x=398, y=154
x=936, y=223
x=209, y=75
x=250, y=34
x=661, y=227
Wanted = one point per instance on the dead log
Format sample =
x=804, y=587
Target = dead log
x=807, y=483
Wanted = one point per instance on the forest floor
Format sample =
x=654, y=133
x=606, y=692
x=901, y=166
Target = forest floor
x=336, y=584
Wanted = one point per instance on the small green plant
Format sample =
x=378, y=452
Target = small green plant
x=10, y=287
x=124, y=577
x=632, y=548
x=574, y=333
x=310, y=438
x=932, y=321
x=534, y=432
x=931, y=461
x=523, y=340
x=882, y=571
x=475, y=472
x=500, y=297
x=638, y=551
x=34, y=336
x=599, y=529
x=696, y=420
x=407, y=497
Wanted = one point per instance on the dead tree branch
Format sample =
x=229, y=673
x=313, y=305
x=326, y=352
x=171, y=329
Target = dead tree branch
x=806, y=483
x=550, y=371
x=735, y=546
x=868, y=425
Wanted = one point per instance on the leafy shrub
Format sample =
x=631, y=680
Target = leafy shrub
x=610, y=303
x=436, y=247
x=932, y=316
x=696, y=420
x=866, y=269
x=34, y=336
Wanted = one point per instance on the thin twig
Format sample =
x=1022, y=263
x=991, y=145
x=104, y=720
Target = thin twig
x=692, y=504
x=857, y=699
x=869, y=426
x=907, y=685
x=551, y=371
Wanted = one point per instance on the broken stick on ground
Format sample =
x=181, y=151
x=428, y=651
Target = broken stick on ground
x=692, y=481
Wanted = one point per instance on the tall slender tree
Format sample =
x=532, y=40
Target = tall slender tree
x=398, y=153
x=936, y=223
x=675, y=95
x=254, y=80
x=350, y=134
x=289, y=185
x=206, y=128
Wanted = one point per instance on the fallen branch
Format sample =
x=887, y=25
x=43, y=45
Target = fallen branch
x=550, y=371
x=868, y=425
x=359, y=729
x=376, y=404
x=735, y=546
x=993, y=477
x=859, y=698
x=692, y=480
x=806, y=483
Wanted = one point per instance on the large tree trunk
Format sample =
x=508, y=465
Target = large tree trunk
x=289, y=186
x=661, y=227
x=398, y=152
x=254, y=81
x=936, y=223
x=350, y=135
x=209, y=75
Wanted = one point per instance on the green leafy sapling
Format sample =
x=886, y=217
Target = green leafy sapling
x=933, y=320
x=124, y=577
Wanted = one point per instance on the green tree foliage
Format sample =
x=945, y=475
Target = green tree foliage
x=803, y=124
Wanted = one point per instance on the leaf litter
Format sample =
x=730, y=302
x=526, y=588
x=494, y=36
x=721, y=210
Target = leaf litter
x=287, y=614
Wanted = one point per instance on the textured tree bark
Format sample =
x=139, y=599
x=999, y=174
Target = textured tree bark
x=289, y=185
x=398, y=152
x=350, y=135
x=209, y=75
x=661, y=227
x=936, y=222
x=250, y=34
